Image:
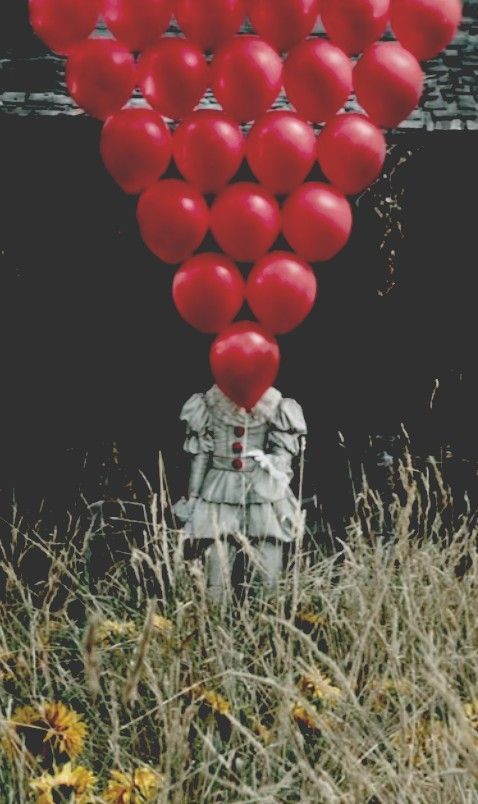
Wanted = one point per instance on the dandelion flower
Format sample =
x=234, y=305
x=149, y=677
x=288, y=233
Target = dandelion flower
x=319, y=688
x=388, y=691
x=65, y=784
x=305, y=717
x=309, y=619
x=421, y=740
x=141, y=787
x=47, y=629
x=217, y=703
x=470, y=710
x=261, y=731
x=214, y=707
x=110, y=631
x=49, y=731
x=162, y=625
x=7, y=665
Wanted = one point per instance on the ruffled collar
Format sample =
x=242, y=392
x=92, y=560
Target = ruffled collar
x=263, y=411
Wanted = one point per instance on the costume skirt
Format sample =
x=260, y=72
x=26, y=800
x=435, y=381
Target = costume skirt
x=281, y=519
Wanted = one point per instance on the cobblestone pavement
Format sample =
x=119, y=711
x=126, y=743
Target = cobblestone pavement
x=32, y=83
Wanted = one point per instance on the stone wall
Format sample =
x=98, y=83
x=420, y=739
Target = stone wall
x=31, y=78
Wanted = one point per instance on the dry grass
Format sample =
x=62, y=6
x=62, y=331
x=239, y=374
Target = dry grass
x=357, y=683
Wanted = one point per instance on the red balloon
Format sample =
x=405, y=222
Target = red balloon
x=64, y=23
x=245, y=361
x=100, y=75
x=284, y=23
x=351, y=152
x=173, y=219
x=354, y=25
x=388, y=82
x=281, y=291
x=138, y=25
x=136, y=148
x=208, y=149
x=245, y=220
x=426, y=27
x=209, y=291
x=317, y=221
x=246, y=77
x=173, y=76
x=280, y=150
x=317, y=79
x=209, y=23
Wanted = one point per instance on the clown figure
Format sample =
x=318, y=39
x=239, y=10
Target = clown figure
x=239, y=482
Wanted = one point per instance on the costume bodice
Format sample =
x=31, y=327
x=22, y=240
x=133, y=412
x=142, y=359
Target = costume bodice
x=220, y=429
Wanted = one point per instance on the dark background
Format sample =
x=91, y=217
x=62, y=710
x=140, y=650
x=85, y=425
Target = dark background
x=94, y=352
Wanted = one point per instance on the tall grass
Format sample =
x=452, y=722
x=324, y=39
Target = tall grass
x=357, y=682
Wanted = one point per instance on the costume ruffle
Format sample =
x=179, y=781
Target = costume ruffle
x=279, y=520
x=229, y=413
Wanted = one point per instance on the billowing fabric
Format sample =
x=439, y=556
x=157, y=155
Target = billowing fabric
x=241, y=466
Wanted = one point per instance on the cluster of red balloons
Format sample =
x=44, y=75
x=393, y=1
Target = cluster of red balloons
x=246, y=73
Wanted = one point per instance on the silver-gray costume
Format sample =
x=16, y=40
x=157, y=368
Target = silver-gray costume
x=241, y=466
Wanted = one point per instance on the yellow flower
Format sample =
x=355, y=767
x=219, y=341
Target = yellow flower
x=421, y=740
x=308, y=718
x=7, y=665
x=260, y=730
x=110, y=631
x=162, y=625
x=305, y=717
x=388, y=691
x=319, y=688
x=140, y=787
x=213, y=700
x=66, y=784
x=470, y=710
x=310, y=619
x=47, y=629
x=49, y=731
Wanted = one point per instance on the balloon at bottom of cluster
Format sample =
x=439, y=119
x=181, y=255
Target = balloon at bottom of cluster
x=245, y=360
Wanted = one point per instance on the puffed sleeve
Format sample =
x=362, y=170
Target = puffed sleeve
x=287, y=429
x=197, y=417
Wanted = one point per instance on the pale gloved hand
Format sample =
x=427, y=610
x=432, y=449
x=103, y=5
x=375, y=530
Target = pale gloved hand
x=266, y=462
x=184, y=508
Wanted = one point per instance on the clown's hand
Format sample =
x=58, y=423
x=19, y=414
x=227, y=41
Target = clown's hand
x=184, y=508
x=267, y=463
